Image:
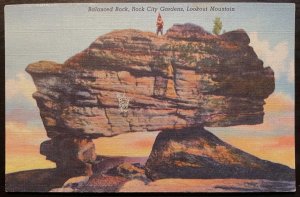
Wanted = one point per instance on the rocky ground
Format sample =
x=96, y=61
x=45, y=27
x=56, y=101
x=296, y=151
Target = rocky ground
x=127, y=174
x=209, y=185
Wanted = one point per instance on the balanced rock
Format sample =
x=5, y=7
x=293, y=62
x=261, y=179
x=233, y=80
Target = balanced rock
x=197, y=153
x=134, y=81
x=186, y=78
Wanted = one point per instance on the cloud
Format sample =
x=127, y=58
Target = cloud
x=23, y=128
x=22, y=114
x=22, y=147
x=273, y=139
x=279, y=102
x=138, y=144
x=280, y=149
x=281, y=142
x=279, y=113
x=276, y=57
x=21, y=86
x=279, y=118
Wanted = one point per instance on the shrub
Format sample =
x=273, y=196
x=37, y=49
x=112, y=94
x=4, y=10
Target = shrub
x=217, y=26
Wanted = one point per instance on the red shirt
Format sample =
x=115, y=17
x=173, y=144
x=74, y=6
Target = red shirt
x=159, y=23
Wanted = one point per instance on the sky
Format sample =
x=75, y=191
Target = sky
x=56, y=32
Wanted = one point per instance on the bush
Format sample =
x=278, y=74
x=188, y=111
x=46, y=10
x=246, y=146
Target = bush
x=217, y=26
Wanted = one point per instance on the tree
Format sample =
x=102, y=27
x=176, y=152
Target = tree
x=217, y=26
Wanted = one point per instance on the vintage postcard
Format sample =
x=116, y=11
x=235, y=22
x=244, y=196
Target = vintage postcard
x=150, y=97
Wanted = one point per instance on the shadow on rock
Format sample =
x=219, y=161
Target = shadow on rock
x=41, y=180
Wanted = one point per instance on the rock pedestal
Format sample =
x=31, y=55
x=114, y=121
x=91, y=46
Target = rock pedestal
x=72, y=155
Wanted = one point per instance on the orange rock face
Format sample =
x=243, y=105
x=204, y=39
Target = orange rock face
x=186, y=78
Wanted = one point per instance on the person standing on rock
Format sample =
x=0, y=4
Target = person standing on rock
x=159, y=25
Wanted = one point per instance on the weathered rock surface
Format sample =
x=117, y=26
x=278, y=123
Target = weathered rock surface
x=209, y=185
x=183, y=79
x=45, y=180
x=186, y=78
x=129, y=171
x=71, y=155
x=197, y=153
x=72, y=185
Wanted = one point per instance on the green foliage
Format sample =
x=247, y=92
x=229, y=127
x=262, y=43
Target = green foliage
x=217, y=26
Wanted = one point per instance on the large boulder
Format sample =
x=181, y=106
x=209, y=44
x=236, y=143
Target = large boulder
x=186, y=78
x=197, y=153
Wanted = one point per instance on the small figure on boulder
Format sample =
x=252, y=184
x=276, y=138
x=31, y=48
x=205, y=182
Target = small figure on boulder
x=159, y=24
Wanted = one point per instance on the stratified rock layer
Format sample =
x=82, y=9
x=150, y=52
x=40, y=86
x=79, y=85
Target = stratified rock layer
x=186, y=78
x=197, y=153
x=72, y=155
